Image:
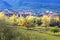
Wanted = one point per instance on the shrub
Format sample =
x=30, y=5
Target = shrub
x=55, y=30
x=37, y=21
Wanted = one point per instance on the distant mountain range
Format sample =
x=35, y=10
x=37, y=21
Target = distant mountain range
x=53, y=5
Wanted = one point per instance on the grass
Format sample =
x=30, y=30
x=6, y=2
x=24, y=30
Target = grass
x=34, y=35
x=40, y=36
x=22, y=33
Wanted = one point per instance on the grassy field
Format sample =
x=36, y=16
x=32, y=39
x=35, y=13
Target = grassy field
x=23, y=33
x=35, y=35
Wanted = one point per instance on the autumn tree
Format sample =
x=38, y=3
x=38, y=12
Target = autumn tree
x=55, y=21
x=30, y=21
x=13, y=20
x=21, y=21
x=45, y=21
x=2, y=16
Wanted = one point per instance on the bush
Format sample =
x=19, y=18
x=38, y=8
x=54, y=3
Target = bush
x=37, y=21
x=55, y=30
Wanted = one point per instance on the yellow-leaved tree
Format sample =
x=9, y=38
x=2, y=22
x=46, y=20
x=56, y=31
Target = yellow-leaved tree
x=21, y=21
x=30, y=21
x=3, y=21
x=2, y=16
x=56, y=19
x=13, y=20
x=45, y=21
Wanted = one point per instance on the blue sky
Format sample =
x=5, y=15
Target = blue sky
x=30, y=4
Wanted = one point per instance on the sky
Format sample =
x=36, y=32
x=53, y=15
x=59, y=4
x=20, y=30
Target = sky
x=30, y=4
